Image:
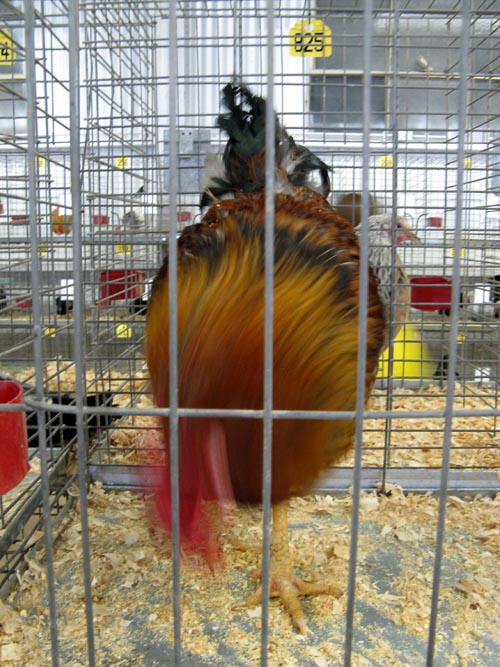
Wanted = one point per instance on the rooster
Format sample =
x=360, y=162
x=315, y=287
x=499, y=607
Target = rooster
x=221, y=340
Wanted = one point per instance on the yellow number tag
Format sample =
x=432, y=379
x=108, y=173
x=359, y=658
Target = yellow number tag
x=50, y=332
x=124, y=249
x=467, y=163
x=311, y=39
x=41, y=162
x=385, y=161
x=7, y=49
x=43, y=248
x=122, y=162
x=123, y=331
x=460, y=337
x=462, y=252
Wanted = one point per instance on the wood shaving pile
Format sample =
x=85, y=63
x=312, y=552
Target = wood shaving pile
x=415, y=442
x=132, y=589
x=60, y=376
x=132, y=571
x=138, y=438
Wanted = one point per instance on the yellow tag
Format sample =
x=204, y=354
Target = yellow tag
x=311, y=39
x=123, y=331
x=50, y=332
x=122, y=162
x=124, y=249
x=7, y=49
x=43, y=248
x=460, y=337
x=467, y=163
x=462, y=252
x=385, y=161
x=41, y=162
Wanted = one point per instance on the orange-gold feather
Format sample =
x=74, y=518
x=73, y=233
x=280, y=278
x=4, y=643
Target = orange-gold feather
x=221, y=340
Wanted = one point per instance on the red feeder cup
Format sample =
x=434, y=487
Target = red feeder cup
x=119, y=284
x=13, y=438
x=434, y=222
x=430, y=292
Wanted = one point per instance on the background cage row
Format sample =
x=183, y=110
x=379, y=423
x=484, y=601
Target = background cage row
x=85, y=155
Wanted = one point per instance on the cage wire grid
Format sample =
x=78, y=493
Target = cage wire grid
x=420, y=135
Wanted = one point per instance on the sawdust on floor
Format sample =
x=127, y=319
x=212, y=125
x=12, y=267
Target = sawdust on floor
x=132, y=588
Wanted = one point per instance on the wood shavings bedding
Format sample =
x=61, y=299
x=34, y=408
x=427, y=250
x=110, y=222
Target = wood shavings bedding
x=60, y=376
x=417, y=442
x=414, y=442
x=132, y=589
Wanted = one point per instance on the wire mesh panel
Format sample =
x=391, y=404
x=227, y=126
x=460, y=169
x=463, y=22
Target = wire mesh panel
x=124, y=208
x=35, y=269
x=412, y=169
x=107, y=132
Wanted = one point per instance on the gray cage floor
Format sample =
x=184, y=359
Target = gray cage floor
x=132, y=588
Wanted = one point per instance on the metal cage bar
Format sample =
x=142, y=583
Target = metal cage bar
x=107, y=115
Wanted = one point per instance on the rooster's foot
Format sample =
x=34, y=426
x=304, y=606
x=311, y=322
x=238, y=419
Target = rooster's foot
x=284, y=584
x=289, y=588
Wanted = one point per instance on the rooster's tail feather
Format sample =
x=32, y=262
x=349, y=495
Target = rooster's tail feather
x=205, y=491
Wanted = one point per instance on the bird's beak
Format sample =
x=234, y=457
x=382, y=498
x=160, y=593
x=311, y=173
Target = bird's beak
x=405, y=233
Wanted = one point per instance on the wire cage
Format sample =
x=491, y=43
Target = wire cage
x=107, y=122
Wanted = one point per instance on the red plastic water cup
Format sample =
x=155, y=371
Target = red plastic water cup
x=13, y=438
x=434, y=222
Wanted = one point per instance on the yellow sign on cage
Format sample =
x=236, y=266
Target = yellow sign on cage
x=50, y=332
x=122, y=162
x=41, y=162
x=7, y=49
x=452, y=252
x=385, y=161
x=123, y=331
x=310, y=39
x=124, y=249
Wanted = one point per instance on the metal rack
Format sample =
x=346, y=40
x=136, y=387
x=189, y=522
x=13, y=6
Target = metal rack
x=85, y=154
x=34, y=256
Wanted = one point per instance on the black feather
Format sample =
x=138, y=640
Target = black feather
x=305, y=164
x=245, y=122
x=244, y=154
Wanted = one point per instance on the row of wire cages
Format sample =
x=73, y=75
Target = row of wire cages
x=107, y=126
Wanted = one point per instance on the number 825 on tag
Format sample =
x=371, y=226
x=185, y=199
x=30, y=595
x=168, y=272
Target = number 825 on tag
x=311, y=39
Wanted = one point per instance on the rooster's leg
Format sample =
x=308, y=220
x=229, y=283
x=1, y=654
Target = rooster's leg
x=283, y=582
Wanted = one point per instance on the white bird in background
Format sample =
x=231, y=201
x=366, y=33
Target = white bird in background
x=134, y=218
x=380, y=258
x=423, y=64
